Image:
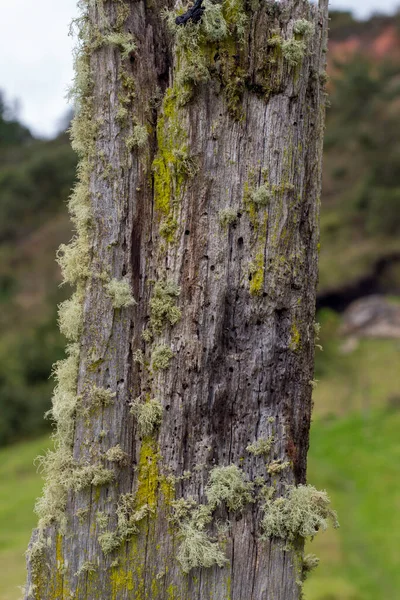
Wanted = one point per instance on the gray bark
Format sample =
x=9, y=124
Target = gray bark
x=244, y=345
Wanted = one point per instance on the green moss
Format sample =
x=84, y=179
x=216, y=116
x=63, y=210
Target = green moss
x=228, y=485
x=161, y=357
x=170, y=164
x=302, y=513
x=120, y=292
x=148, y=474
x=257, y=272
x=261, y=447
x=148, y=415
x=295, y=339
x=163, y=307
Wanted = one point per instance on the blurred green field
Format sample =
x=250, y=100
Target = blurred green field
x=20, y=485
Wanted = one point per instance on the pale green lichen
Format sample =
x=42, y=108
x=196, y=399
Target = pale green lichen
x=227, y=216
x=304, y=28
x=293, y=51
x=161, y=357
x=102, y=519
x=99, y=397
x=148, y=415
x=277, y=467
x=310, y=562
x=70, y=315
x=138, y=138
x=74, y=260
x=163, y=307
x=138, y=357
x=228, y=485
x=303, y=512
x=124, y=41
x=261, y=447
x=109, y=542
x=261, y=196
x=196, y=550
x=120, y=292
x=128, y=518
x=220, y=24
x=84, y=476
x=86, y=567
x=117, y=455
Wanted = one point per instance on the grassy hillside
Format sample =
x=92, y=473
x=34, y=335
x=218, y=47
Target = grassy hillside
x=20, y=485
x=356, y=459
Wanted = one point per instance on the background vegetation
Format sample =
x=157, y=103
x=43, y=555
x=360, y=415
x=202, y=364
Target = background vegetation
x=355, y=450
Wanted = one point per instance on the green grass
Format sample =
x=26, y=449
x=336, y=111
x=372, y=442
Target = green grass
x=356, y=459
x=20, y=486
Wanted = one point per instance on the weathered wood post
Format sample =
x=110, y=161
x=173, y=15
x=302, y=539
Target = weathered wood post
x=183, y=406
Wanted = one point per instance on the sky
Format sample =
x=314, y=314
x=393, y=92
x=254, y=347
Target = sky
x=36, y=55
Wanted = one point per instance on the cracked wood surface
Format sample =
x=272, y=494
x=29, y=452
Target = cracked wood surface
x=242, y=363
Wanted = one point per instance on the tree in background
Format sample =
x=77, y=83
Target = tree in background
x=183, y=407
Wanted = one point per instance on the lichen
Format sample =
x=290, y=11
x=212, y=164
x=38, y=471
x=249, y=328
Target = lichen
x=261, y=447
x=293, y=51
x=310, y=562
x=120, y=292
x=102, y=519
x=117, y=455
x=304, y=28
x=74, y=260
x=70, y=314
x=128, y=518
x=148, y=415
x=228, y=485
x=277, y=466
x=138, y=138
x=86, y=567
x=163, y=307
x=99, y=397
x=261, y=196
x=302, y=513
x=221, y=26
x=124, y=41
x=161, y=357
x=196, y=550
x=227, y=216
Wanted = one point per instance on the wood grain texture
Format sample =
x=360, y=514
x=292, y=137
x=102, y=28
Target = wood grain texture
x=242, y=361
